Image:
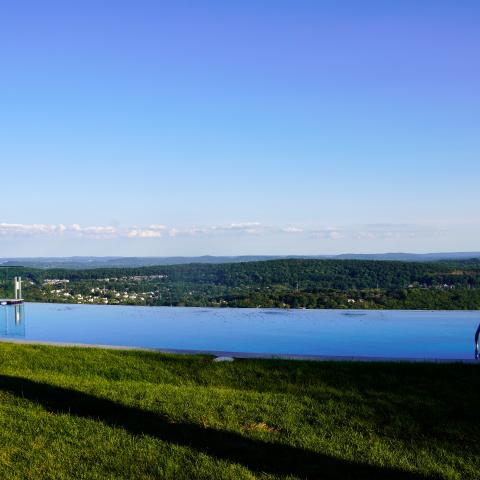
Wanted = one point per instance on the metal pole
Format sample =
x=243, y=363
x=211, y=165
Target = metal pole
x=17, y=287
x=477, y=334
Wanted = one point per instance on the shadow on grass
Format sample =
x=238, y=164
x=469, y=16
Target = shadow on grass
x=256, y=455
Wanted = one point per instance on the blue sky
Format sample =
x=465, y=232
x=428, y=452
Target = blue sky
x=254, y=127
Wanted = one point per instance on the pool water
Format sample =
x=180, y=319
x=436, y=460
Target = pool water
x=368, y=333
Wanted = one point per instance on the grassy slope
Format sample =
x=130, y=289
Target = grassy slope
x=91, y=413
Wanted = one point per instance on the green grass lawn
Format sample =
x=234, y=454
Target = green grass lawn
x=93, y=413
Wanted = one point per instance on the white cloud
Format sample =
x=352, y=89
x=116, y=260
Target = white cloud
x=144, y=233
x=292, y=230
x=333, y=233
x=95, y=231
x=155, y=230
x=16, y=229
x=246, y=227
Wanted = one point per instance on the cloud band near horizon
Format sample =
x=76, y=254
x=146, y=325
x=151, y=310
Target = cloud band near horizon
x=156, y=231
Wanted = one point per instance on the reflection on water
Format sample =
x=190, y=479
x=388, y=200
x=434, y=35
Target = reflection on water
x=12, y=321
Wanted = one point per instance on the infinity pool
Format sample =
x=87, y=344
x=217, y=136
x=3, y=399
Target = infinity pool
x=370, y=333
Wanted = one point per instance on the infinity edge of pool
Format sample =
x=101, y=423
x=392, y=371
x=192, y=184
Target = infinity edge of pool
x=244, y=355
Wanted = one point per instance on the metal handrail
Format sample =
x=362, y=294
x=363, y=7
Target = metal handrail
x=477, y=334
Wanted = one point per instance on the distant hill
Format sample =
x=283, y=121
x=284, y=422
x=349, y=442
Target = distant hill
x=409, y=257
x=99, y=262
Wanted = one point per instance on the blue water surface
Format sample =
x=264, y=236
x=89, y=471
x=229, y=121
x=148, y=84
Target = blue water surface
x=369, y=333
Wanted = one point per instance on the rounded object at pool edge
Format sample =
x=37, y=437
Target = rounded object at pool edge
x=223, y=359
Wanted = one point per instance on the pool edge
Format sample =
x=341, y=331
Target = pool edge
x=244, y=355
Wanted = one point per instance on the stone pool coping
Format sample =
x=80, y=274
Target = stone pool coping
x=246, y=355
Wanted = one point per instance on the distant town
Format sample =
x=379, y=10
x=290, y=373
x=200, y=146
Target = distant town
x=60, y=289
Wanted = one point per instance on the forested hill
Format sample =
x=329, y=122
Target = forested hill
x=337, y=274
x=275, y=283
x=131, y=262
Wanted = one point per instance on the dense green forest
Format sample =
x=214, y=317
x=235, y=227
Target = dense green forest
x=292, y=283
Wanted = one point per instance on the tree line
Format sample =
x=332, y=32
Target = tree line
x=294, y=283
